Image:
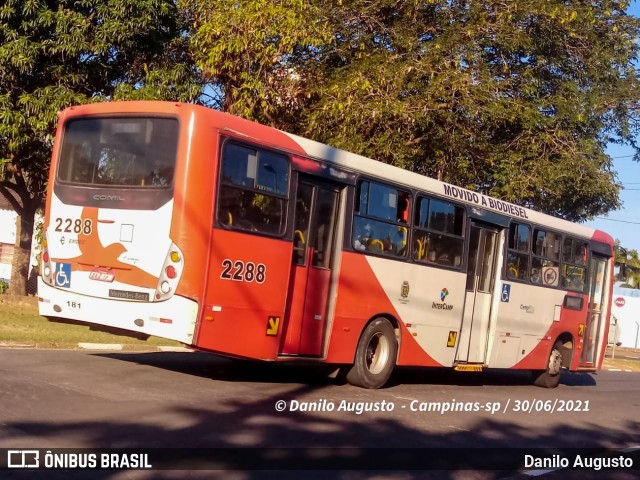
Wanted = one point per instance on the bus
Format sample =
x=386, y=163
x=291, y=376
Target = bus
x=187, y=223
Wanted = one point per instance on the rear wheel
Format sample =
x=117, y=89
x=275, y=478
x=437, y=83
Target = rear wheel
x=375, y=356
x=550, y=378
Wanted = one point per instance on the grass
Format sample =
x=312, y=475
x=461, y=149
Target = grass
x=622, y=364
x=21, y=324
x=623, y=358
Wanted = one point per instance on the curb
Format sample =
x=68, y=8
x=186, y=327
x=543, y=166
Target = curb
x=119, y=347
x=98, y=347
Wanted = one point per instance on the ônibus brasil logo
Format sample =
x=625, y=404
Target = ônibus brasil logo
x=442, y=306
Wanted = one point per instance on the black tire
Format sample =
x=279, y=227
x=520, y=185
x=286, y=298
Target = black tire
x=375, y=356
x=550, y=378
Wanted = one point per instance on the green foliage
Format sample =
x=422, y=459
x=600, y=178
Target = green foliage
x=514, y=99
x=251, y=51
x=57, y=54
x=517, y=100
x=628, y=263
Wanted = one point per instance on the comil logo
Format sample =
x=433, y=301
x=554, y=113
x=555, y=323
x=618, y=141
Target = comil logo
x=23, y=459
x=108, y=197
x=443, y=305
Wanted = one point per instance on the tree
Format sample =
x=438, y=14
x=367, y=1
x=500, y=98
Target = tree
x=251, y=51
x=514, y=99
x=628, y=262
x=58, y=53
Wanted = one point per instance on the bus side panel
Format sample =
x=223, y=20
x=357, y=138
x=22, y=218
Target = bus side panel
x=245, y=295
x=194, y=194
x=538, y=357
x=572, y=321
x=430, y=303
x=529, y=320
x=569, y=323
x=362, y=295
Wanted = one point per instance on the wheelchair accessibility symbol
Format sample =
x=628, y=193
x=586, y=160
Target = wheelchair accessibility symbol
x=63, y=275
x=506, y=292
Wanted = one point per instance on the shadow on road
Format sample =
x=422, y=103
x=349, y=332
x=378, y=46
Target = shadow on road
x=333, y=447
x=207, y=365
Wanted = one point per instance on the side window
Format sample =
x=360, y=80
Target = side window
x=574, y=264
x=438, y=232
x=253, y=190
x=518, y=251
x=545, y=261
x=380, y=224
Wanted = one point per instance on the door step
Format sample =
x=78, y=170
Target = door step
x=466, y=367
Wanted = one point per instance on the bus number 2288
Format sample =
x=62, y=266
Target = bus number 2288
x=240, y=271
x=82, y=226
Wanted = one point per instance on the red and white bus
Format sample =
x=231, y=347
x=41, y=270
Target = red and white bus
x=231, y=237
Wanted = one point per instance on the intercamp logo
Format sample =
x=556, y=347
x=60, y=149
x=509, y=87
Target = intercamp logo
x=443, y=305
x=23, y=459
x=443, y=294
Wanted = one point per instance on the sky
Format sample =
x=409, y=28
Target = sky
x=624, y=224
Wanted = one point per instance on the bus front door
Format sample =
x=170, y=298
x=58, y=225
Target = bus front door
x=596, y=311
x=311, y=270
x=474, y=332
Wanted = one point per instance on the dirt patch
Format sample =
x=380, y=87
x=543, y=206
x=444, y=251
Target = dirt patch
x=19, y=302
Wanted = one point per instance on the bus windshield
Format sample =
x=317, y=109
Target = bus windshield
x=120, y=152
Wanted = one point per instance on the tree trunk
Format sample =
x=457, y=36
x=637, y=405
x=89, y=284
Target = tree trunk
x=22, y=253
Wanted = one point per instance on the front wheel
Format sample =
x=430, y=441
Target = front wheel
x=375, y=355
x=550, y=378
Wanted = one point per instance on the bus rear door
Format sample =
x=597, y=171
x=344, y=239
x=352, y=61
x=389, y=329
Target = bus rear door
x=315, y=225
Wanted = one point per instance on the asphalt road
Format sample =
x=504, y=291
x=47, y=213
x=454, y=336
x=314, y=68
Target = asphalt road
x=77, y=399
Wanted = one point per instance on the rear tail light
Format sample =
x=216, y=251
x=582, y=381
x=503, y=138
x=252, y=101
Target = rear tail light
x=171, y=271
x=47, y=271
x=170, y=274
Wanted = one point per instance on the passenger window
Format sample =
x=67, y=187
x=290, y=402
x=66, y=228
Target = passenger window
x=381, y=221
x=518, y=251
x=574, y=269
x=438, y=233
x=253, y=190
x=545, y=265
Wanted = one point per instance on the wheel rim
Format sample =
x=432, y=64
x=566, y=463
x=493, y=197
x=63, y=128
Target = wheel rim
x=555, y=362
x=377, y=353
